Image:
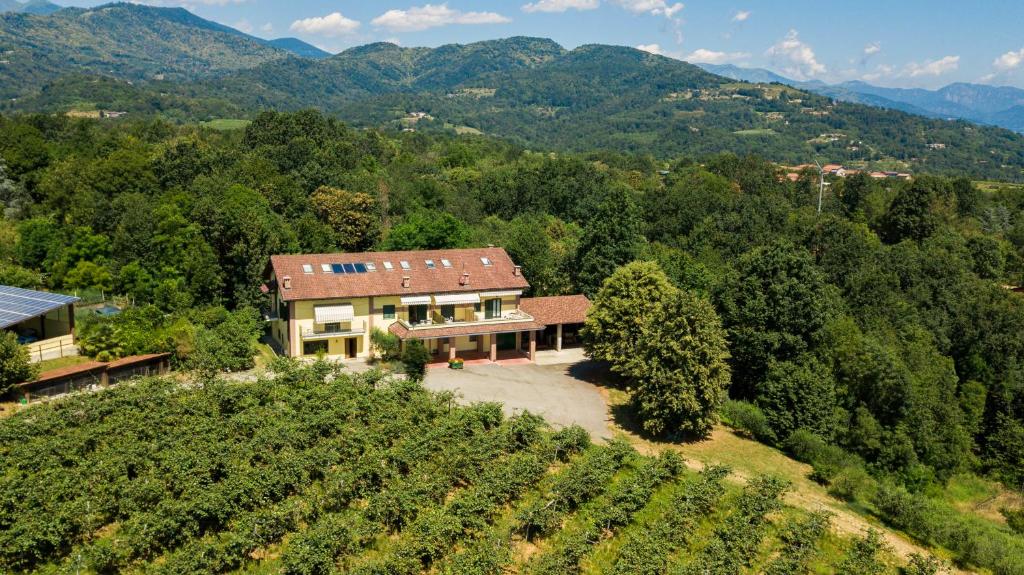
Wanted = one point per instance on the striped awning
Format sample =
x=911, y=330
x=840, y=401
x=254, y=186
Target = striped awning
x=334, y=313
x=415, y=299
x=456, y=298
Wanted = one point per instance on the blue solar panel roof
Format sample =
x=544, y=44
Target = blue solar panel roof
x=18, y=305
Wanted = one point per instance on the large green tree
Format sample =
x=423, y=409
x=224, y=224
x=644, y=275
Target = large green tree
x=774, y=307
x=623, y=306
x=612, y=237
x=679, y=369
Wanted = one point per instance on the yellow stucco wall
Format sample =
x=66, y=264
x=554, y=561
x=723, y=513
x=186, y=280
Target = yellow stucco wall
x=367, y=317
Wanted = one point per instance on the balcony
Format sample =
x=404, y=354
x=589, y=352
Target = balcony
x=335, y=330
x=436, y=320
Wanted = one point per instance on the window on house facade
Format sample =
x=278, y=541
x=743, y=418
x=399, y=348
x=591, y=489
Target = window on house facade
x=389, y=312
x=493, y=309
x=448, y=312
x=314, y=347
x=333, y=327
x=477, y=307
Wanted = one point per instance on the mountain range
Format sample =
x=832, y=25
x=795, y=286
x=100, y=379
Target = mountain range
x=169, y=63
x=30, y=7
x=128, y=41
x=995, y=105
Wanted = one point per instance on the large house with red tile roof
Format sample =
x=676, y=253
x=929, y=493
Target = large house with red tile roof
x=454, y=300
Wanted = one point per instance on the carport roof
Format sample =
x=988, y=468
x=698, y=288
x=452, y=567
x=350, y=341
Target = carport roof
x=18, y=305
x=559, y=309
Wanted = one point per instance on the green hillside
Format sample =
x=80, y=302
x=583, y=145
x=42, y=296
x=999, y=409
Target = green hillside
x=123, y=40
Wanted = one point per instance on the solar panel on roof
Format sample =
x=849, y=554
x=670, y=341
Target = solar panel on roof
x=360, y=268
x=350, y=269
x=18, y=305
x=337, y=268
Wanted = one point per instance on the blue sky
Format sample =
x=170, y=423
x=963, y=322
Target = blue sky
x=892, y=43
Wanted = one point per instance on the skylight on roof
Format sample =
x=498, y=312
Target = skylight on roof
x=307, y=268
x=486, y=261
x=326, y=268
x=446, y=263
x=430, y=264
x=405, y=265
x=388, y=266
x=360, y=268
x=371, y=267
x=337, y=268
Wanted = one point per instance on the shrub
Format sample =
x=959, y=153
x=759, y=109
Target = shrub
x=15, y=364
x=747, y=418
x=415, y=357
x=385, y=344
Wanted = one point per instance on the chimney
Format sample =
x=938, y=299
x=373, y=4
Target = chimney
x=464, y=280
x=286, y=282
x=518, y=271
x=406, y=281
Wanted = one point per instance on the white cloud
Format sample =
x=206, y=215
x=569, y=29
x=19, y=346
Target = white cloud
x=243, y=25
x=267, y=28
x=798, y=58
x=1009, y=60
x=652, y=48
x=654, y=7
x=872, y=48
x=705, y=56
x=560, y=5
x=880, y=71
x=741, y=16
x=334, y=24
x=431, y=16
x=933, y=67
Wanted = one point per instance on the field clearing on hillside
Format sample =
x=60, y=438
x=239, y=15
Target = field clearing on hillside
x=756, y=132
x=226, y=124
x=319, y=471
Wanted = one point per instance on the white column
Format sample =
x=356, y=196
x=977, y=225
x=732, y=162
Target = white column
x=558, y=337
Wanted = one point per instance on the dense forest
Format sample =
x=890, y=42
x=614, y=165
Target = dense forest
x=876, y=340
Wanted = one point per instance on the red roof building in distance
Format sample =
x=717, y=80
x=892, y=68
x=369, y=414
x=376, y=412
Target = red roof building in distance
x=455, y=300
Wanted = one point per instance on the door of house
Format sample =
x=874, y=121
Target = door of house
x=493, y=308
x=351, y=347
x=417, y=314
x=506, y=341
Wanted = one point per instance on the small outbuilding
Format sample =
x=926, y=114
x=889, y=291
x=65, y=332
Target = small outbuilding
x=43, y=321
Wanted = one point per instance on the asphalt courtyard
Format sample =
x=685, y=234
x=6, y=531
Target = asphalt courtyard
x=561, y=393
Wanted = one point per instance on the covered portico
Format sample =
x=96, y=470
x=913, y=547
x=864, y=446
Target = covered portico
x=491, y=340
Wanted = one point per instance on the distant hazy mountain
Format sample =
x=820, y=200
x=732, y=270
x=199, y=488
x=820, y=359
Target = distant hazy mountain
x=755, y=75
x=299, y=48
x=996, y=105
x=29, y=7
x=128, y=41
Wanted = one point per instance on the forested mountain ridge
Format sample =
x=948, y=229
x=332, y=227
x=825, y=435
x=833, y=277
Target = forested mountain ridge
x=172, y=64
x=29, y=6
x=127, y=41
x=539, y=95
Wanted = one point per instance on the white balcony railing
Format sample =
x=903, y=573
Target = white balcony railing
x=353, y=328
x=507, y=317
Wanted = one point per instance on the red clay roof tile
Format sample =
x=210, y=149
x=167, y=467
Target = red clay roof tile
x=500, y=275
x=553, y=310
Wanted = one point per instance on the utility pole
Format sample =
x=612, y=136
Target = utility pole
x=821, y=184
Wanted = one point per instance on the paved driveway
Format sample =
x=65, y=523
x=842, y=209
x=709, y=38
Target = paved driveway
x=558, y=392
